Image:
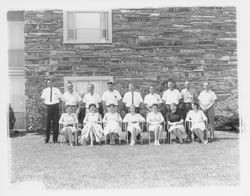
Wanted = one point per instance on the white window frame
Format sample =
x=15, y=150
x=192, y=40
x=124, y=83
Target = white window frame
x=107, y=39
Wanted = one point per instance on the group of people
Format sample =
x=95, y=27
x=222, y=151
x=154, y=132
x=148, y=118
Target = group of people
x=180, y=113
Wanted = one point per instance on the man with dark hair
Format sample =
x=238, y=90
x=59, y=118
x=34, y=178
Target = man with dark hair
x=51, y=96
x=171, y=95
x=110, y=96
x=189, y=95
x=71, y=98
x=207, y=99
x=132, y=97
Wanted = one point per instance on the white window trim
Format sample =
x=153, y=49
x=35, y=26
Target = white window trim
x=86, y=78
x=65, y=32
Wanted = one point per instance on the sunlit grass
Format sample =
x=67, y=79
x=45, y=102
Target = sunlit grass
x=60, y=166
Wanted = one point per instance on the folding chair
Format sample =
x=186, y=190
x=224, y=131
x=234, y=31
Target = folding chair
x=163, y=135
x=61, y=137
x=189, y=124
x=124, y=134
x=169, y=134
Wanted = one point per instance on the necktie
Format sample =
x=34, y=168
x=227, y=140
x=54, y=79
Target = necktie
x=132, y=97
x=51, y=94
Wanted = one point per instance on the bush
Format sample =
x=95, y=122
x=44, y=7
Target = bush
x=227, y=116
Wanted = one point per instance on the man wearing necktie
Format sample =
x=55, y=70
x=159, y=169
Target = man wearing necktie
x=132, y=97
x=51, y=96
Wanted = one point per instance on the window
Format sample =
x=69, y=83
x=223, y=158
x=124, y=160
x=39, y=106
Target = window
x=87, y=27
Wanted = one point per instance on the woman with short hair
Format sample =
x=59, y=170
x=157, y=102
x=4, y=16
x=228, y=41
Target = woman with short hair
x=92, y=128
x=133, y=119
x=69, y=121
x=175, y=122
x=198, y=121
x=155, y=120
x=112, y=123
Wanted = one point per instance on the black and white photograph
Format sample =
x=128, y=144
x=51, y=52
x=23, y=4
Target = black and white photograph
x=124, y=96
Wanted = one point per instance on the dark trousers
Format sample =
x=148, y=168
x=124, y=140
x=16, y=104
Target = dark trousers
x=52, y=116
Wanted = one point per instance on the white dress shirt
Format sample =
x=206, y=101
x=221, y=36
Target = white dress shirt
x=91, y=99
x=206, y=98
x=171, y=96
x=151, y=99
x=127, y=99
x=56, y=95
x=111, y=97
x=71, y=98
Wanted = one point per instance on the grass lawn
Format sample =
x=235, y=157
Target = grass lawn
x=169, y=165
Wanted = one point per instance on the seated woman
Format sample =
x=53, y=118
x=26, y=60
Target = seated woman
x=112, y=123
x=197, y=119
x=133, y=119
x=69, y=121
x=175, y=122
x=92, y=127
x=155, y=120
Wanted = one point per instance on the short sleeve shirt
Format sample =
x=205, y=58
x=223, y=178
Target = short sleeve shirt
x=111, y=97
x=56, y=95
x=207, y=97
x=171, y=96
x=127, y=99
x=151, y=99
x=71, y=98
x=91, y=99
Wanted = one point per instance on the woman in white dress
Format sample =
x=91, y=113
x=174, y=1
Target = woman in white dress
x=155, y=120
x=112, y=123
x=133, y=119
x=92, y=128
x=69, y=121
x=197, y=119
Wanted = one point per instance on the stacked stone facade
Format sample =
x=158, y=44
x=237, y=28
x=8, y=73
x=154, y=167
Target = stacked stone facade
x=148, y=46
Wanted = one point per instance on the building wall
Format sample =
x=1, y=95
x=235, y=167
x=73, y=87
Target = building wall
x=149, y=46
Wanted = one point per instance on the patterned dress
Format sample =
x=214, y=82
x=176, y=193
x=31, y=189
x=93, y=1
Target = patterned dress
x=90, y=121
x=175, y=117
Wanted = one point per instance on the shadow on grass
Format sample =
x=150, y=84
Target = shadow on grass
x=16, y=133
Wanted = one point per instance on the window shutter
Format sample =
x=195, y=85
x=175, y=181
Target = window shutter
x=104, y=25
x=71, y=26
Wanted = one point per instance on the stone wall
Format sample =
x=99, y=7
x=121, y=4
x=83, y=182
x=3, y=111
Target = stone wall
x=148, y=47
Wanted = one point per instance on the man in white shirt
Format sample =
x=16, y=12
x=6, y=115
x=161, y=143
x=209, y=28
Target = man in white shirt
x=91, y=98
x=71, y=98
x=189, y=96
x=170, y=96
x=110, y=96
x=206, y=100
x=152, y=98
x=51, y=96
x=132, y=97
